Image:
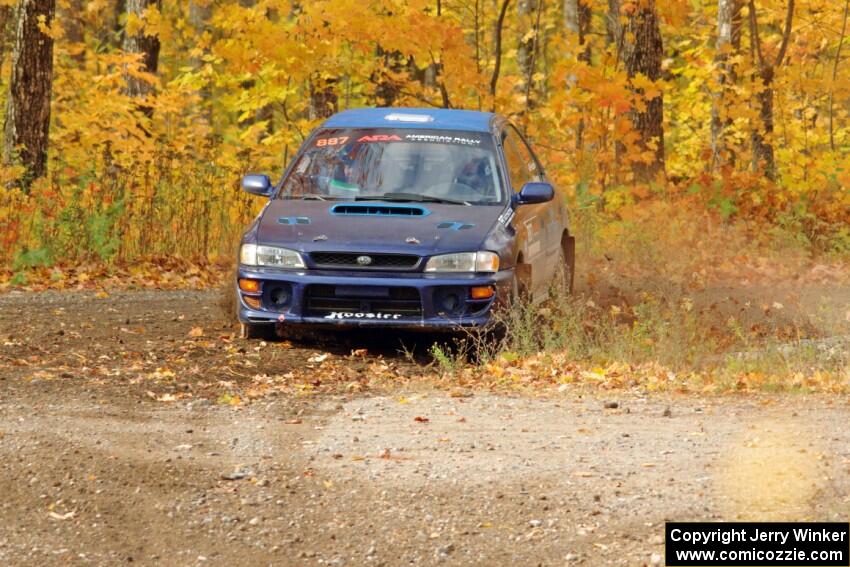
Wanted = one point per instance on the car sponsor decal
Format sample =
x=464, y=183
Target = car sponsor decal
x=436, y=138
x=352, y=315
x=506, y=217
x=380, y=138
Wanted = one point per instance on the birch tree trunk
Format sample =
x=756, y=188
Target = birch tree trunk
x=146, y=45
x=727, y=45
x=30, y=90
x=642, y=53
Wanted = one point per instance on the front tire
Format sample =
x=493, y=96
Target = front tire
x=254, y=331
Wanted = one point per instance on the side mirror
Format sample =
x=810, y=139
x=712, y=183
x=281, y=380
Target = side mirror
x=257, y=184
x=535, y=192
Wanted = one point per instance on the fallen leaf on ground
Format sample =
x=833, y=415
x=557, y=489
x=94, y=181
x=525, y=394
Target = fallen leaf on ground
x=66, y=516
x=293, y=421
x=196, y=332
x=420, y=419
x=162, y=398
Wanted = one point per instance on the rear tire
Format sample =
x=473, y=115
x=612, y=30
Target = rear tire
x=562, y=282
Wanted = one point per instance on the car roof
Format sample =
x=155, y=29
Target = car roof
x=419, y=118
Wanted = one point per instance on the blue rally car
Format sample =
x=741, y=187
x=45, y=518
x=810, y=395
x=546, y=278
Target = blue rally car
x=403, y=218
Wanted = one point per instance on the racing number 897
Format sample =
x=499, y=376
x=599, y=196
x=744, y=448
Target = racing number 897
x=331, y=141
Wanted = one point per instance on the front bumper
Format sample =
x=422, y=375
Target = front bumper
x=339, y=298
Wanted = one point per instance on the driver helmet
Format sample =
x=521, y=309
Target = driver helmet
x=476, y=173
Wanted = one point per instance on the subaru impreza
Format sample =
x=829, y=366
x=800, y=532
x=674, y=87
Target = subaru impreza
x=403, y=218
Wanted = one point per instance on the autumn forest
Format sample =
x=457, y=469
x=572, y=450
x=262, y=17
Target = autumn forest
x=129, y=122
x=364, y=375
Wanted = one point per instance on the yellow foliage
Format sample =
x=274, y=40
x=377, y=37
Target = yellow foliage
x=234, y=94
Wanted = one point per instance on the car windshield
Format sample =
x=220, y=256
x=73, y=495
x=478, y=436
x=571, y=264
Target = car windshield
x=397, y=165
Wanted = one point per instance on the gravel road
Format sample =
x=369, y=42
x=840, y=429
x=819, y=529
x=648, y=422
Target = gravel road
x=93, y=471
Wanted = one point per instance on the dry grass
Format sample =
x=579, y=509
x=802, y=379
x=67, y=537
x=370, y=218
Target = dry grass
x=666, y=300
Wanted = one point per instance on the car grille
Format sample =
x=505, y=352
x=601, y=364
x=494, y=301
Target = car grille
x=337, y=260
x=322, y=300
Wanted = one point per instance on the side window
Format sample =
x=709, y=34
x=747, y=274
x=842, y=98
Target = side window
x=528, y=156
x=517, y=164
x=522, y=167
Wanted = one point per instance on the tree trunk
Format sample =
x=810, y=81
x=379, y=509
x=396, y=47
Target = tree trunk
x=577, y=17
x=500, y=23
x=30, y=89
x=146, y=45
x=525, y=44
x=323, y=98
x=727, y=44
x=834, y=75
x=199, y=17
x=7, y=31
x=642, y=53
x=761, y=137
x=75, y=33
x=613, y=27
x=387, y=87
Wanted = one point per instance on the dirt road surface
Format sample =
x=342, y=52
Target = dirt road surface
x=94, y=471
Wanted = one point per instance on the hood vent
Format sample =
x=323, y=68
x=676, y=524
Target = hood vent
x=373, y=210
x=293, y=220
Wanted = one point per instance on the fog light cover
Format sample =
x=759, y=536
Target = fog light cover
x=277, y=296
x=450, y=301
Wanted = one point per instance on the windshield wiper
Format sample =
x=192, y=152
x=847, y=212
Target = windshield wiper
x=401, y=197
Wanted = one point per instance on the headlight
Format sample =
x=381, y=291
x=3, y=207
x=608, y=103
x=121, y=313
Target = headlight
x=464, y=262
x=258, y=255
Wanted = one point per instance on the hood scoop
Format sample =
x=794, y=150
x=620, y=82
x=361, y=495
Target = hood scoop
x=376, y=210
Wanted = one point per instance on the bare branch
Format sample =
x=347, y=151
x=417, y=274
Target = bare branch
x=786, y=35
x=499, y=25
x=754, y=34
x=835, y=75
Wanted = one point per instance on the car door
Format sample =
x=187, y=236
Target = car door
x=553, y=223
x=530, y=220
